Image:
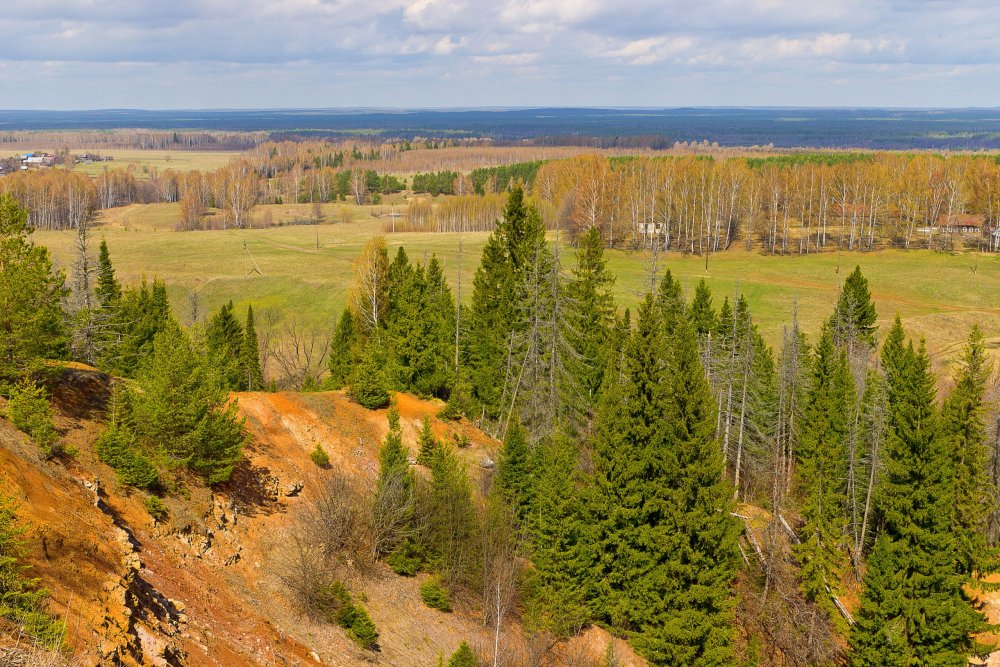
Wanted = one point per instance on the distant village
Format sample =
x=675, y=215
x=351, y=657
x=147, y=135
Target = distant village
x=42, y=160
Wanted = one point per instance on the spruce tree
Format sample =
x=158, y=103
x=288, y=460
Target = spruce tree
x=914, y=609
x=514, y=468
x=108, y=290
x=226, y=341
x=343, y=351
x=494, y=318
x=31, y=292
x=854, y=317
x=556, y=523
x=252, y=373
x=427, y=443
x=22, y=599
x=593, y=313
x=392, y=513
x=701, y=313
x=821, y=475
x=665, y=549
x=452, y=524
x=963, y=428
x=138, y=316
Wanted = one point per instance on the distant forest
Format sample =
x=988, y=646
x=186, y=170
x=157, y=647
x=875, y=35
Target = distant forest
x=887, y=129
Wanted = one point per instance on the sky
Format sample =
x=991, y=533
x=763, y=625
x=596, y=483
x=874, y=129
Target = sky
x=175, y=54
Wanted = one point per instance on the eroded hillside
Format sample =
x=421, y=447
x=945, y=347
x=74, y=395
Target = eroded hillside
x=202, y=587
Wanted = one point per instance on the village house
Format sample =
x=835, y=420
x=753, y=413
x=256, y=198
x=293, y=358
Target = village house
x=961, y=223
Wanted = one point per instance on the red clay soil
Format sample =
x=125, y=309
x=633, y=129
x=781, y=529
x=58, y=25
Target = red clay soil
x=200, y=589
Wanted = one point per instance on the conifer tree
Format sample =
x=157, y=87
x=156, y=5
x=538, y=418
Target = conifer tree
x=463, y=657
x=854, y=318
x=427, y=443
x=670, y=300
x=701, y=313
x=392, y=505
x=514, y=468
x=593, y=313
x=507, y=257
x=914, y=609
x=343, y=351
x=225, y=341
x=181, y=413
x=22, y=599
x=253, y=374
x=964, y=430
x=108, y=290
x=452, y=519
x=556, y=522
x=822, y=472
x=664, y=567
x=31, y=292
x=138, y=316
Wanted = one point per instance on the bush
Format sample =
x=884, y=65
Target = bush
x=119, y=448
x=406, y=560
x=333, y=601
x=320, y=457
x=156, y=508
x=463, y=657
x=369, y=384
x=435, y=595
x=29, y=410
x=360, y=626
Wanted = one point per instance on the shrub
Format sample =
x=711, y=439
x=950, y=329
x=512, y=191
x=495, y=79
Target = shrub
x=406, y=560
x=333, y=601
x=29, y=410
x=435, y=595
x=320, y=457
x=360, y=626
x=463, y=657
x=156, y=508
x=369, y=383
x=119, y=448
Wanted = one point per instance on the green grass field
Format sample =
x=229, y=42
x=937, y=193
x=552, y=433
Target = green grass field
x=305, y=272
x=146, y=160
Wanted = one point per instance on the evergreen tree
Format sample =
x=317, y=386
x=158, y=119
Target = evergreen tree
x=822, y=472
x=108, y=291
x=670, y=301
x=514, y=468
x=463, y=657
x=343, y=351
x=252, y=373
x=593, y=313
x=393, y=501
x=854, y=318
x=665, y=553
x=31, y=292
x=555, y=520
x=226, y=341
x=452, y=520
x=507, y=257
x=180, y=412
x=427, y=443
x=914, y=609
x=702, y=313
x=964, y=430
x=138, y=316
x=369, y=382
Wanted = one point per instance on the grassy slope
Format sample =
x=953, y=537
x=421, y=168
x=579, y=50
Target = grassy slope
x=938, y=295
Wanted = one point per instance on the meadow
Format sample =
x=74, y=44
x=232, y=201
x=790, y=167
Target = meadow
x=303, y=272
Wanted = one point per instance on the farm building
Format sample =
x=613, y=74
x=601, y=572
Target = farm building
x=962, y=224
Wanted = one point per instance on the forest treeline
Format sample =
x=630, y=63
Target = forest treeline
x=790, y=204
x=663, y=473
